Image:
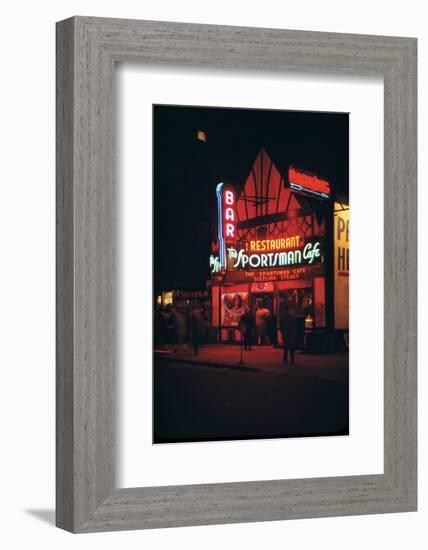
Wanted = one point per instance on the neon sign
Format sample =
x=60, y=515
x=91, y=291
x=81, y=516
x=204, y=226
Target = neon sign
x=226, y=223
x=275, y=244
x=306, y=183
x=222, y=248
x=311, y=253
x=229, y=215
x=215, y=264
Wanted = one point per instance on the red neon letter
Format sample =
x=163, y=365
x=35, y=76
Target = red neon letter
x=230, y=230
x=228, y=197
x=230, y=214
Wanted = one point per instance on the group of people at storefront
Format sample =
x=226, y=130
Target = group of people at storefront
x=259, y=326
x=173, y=329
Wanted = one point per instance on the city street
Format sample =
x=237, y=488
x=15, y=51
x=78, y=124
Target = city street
x=194, y=402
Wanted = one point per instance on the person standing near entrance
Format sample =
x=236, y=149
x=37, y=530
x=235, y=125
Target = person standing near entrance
x=271, y=329
x=262, y=315
x=289, y=331
x=248, y=324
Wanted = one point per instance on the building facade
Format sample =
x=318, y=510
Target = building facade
x=280, y=237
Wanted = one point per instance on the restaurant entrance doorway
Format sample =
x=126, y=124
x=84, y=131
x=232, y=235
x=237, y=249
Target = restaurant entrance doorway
x=262, y=300
x=264, y=311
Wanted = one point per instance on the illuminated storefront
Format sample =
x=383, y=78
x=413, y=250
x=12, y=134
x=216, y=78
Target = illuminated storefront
x=182, y=302
x=276, y=241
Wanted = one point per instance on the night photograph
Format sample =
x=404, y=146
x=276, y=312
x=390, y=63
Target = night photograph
x=250, y=274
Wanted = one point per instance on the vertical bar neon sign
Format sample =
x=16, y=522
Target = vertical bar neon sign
x=222, y=245
x=229, y=215
x=226, y=220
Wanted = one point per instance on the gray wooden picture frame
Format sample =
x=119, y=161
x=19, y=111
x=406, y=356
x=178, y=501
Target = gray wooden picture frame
x=87, y=50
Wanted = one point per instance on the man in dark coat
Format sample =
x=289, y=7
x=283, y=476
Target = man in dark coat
x=289, y=331
x=248, y=324
x=197, y=328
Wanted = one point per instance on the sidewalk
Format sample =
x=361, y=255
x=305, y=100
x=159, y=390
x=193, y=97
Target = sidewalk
x=264, y=359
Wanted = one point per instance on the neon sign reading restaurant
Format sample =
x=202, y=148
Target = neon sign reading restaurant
x=275, y=244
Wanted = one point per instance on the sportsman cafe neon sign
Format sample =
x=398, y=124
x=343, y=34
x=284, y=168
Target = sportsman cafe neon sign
x=309, y=254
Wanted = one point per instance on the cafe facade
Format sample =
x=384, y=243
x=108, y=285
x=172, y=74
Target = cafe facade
x=280, y=237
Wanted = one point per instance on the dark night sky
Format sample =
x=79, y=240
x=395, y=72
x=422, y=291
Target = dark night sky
x=186, y=172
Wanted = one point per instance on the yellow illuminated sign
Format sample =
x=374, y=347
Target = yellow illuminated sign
x=274, y=244
x=341, y=266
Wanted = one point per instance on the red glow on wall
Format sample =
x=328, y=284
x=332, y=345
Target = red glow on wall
x=308, y=182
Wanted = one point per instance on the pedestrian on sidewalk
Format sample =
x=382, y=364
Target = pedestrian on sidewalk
x=180, y=325
x=197, y=328
x=170, y=328
x=271, y=329
x=247, y=325
x=289, y=331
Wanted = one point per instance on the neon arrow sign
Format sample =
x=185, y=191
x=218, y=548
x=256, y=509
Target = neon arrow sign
x=306, y=183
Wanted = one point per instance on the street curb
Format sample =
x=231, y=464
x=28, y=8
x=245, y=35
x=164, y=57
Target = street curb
x=190, y=361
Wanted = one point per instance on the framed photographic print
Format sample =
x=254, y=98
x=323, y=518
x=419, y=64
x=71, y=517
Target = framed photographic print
x=263, y=230
x=236, y=274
